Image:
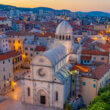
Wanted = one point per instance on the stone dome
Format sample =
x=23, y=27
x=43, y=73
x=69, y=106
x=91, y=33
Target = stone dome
x=64, y=28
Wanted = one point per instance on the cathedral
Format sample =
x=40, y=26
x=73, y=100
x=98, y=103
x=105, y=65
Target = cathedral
x=49, y=82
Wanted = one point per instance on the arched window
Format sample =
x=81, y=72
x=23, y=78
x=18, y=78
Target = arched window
x=66, y=37
x=28, y=91
x=69, y=37
x=60, y=37
x=63, y=37
x=56, y=96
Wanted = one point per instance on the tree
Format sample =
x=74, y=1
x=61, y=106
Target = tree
x=102, y=101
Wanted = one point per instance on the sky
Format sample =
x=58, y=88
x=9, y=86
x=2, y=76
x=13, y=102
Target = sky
x=73, y=5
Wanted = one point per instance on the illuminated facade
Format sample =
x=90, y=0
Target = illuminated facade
x=4, y=46
x=49, y=82
x=108, y=29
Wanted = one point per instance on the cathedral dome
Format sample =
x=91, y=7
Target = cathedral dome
x=64, y=28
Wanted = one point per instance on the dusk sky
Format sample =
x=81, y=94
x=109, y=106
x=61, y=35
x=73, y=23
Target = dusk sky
x=74, y=5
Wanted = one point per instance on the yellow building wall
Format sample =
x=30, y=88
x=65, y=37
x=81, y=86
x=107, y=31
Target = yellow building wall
x=88, y=92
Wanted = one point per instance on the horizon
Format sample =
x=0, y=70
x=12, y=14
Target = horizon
x=76, y=5
x=56, y=9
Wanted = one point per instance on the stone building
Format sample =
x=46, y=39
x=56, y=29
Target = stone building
x=49, y=82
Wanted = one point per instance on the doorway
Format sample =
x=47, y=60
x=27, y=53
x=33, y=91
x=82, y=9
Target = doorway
x=42, y=99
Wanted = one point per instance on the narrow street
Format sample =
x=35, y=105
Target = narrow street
x=17, y=93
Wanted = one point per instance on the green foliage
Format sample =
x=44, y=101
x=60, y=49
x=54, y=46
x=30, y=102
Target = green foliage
x=107, y=88
x=68, y=106
x=102, y=101
x=98, y=106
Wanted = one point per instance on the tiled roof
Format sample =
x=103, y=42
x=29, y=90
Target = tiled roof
x=100, y=71
x=81, y=68
x=96, y=73
x=44, y=35
x=106, y=47
x=9, y=55
x=2, y=18
x=86, y=57
x=40, y=48
x=19, y=33
x=90, y=52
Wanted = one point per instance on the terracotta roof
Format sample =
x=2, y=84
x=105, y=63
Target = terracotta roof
x=45, y=35
x=106, y=47
x=81, y=68
x=96, y=73
x=40, y=48
x=9, y=55
x=86, y=57
x=90, y=52
x=19, y=33
x=2, y=18
x=100, y=71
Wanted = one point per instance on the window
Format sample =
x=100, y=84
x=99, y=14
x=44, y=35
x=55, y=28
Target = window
x=4, y=77
x=84, y=83
x=26, y=54
x=9, y=41
x=26, y=48
x=37, y=53
x=56, y=98
x=3, y=62
x=63, y=37
x=28, y=90
x=31, y=49
x=69, y=38
x=102, y=58
x=94, y=58
x=9, y=75
x=94, y=85
x=87, y=61
x=9, y=60
x=3, y=69
x=19, y=48
x=60, y=37
x=31, y=55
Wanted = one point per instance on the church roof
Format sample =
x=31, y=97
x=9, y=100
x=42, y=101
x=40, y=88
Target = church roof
x=56, y=54
x=64, y=28
x=63, y=73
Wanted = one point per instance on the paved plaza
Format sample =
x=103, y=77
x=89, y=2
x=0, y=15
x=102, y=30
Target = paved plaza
x=9, y=104
x=12, y=101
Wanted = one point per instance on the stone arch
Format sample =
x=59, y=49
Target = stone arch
x=42, y=97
